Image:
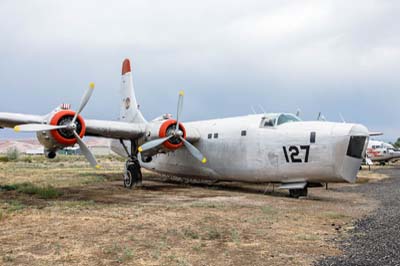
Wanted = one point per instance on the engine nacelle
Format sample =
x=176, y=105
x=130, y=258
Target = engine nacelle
x=162, y=129
x=61, y=138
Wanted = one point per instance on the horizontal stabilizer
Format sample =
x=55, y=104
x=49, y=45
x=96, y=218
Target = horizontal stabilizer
x=371, y=134
x=296, y=185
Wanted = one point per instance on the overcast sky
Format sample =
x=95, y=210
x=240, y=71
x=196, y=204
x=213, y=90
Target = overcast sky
x=329, y=56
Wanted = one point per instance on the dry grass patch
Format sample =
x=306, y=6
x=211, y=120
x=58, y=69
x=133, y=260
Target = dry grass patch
x=97, y=222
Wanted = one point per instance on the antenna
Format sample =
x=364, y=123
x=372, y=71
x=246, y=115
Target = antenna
x=298, y=112
x=321, y=117
x=252, y=109
x=341, y=117
x=262, y=109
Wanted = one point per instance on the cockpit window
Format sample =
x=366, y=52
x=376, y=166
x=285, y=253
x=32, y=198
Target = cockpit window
x=287, y=118
x=274, y=119
x=269, y=122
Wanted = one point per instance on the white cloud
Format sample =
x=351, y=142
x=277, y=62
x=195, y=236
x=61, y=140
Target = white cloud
x=284, y=52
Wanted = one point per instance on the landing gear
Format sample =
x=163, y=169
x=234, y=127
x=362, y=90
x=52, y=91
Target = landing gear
x=133, y=174
x=298, y=192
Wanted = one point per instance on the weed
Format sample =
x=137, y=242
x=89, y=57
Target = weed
x=210, y=205
x=213, y=234
x=188, y=233
x=307, y=237
x=112, y=250
x=8, y=187
x=127, y=254
x=335, y=215
x=15, y=205
x=47, y=192
x=235, y=236
x=8, y=258
x=268, y=210
x=12, y=154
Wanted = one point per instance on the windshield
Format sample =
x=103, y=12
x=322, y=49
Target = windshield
x=275, y=119
x=287, y=118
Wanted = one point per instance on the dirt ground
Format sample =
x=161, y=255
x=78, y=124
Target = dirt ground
x=93, y=220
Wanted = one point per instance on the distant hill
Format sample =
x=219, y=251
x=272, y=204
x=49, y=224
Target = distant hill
x=23, y=145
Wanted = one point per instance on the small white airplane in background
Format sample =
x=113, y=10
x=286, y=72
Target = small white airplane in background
x=382, y=152
x=274, y=147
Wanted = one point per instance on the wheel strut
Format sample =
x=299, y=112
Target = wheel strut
x=133, y=173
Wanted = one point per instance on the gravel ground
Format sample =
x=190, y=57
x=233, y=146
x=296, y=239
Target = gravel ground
x=375, y=240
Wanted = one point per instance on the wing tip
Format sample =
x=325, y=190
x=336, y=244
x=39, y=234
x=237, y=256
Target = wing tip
x=126, y=66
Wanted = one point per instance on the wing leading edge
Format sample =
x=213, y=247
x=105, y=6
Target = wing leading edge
x=95, y=128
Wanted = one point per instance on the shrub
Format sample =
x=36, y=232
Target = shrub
x=12, y=154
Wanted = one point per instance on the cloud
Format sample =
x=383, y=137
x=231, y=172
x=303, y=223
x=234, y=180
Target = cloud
x=330, y=56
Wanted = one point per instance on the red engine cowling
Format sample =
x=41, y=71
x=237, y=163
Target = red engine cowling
x=66, y=137
x=166, y=129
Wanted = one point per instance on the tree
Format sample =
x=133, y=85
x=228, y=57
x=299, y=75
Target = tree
x=397, y=143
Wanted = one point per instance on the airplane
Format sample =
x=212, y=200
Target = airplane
x=382, y=152
x=259, y=148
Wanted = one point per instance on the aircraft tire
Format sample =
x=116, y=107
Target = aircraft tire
x=297, y=193
x=133, y=177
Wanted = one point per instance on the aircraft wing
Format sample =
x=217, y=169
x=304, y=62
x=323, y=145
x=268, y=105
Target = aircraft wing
x=375, y=134
x=96, y=128
x=114, y=129
x=13, y=119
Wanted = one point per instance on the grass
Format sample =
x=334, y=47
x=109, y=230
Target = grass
x=213, y=234
x=120, y=254
x=210, y=205
x=15, y=205
x=335, y=215
x=43, y=192
x=235, y=235
x=307, y=237
x=189, y=233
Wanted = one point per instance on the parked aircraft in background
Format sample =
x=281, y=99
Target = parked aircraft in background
x=382, y=152
x=273, y=147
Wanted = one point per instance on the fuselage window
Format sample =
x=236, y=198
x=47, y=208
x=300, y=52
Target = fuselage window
x=210, y=136
x=312, y=137
x=243, y=133
x=215, y=135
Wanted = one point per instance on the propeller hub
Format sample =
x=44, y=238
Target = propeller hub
x=66, y=135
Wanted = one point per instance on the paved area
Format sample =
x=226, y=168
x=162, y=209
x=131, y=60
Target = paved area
x=375, y=239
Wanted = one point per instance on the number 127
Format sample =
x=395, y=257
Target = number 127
x=292, y=153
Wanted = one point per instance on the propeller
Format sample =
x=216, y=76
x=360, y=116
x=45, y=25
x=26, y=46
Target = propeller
x=177, y=133
x=71, y=127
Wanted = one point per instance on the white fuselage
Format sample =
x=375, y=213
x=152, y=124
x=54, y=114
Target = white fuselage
x=247, y=151
x=380, y=151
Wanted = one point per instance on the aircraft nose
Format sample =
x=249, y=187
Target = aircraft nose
x=358, y=130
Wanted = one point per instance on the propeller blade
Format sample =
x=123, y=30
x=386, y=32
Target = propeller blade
x=152, y=144
x=179, y=110
x=85, y=151
x=84, y=100
x=36, y=127
x=194, y=151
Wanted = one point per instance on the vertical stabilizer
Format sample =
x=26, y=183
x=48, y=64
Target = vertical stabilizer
x=129, y=108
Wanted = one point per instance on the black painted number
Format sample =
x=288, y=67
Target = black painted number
x=292, y=153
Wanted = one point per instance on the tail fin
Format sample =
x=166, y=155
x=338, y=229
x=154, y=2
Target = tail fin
x=129, y=108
